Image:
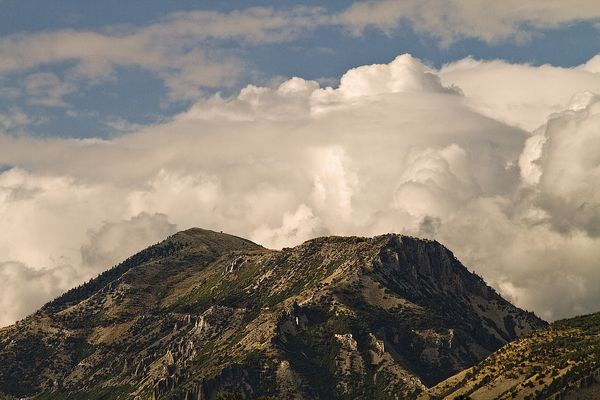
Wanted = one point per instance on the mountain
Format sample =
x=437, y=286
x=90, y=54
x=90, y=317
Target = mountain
x=561, y=361
x=205, y=315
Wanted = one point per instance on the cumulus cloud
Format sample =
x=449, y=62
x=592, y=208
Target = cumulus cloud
x=395, y=147
x=593, y=65
x=114, y=241
x=296, y=227
x=435, y=182
x=27, y=287
x=569, y=168
x=520, y=94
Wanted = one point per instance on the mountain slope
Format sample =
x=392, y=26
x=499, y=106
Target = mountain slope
x=561, y=361
x=205, y=314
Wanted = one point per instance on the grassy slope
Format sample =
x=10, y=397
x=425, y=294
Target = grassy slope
x=562, y=358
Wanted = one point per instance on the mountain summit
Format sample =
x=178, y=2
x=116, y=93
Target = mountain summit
x=205, y=315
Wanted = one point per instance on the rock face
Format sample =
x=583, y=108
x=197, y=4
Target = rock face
x=206, y=315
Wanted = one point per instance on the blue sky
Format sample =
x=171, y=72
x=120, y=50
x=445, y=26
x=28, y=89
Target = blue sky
x=134, y=95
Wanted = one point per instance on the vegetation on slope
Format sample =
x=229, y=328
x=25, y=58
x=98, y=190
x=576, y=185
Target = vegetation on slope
x=560, y=361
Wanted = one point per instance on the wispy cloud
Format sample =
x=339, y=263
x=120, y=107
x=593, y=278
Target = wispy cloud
x=15, y=118
x=120, y=125
x=47, y=89
x=182, y=49
x=194, y=51
x=489, y=21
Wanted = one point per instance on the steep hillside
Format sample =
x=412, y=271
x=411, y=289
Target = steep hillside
x=205, y=315
x=561, y=361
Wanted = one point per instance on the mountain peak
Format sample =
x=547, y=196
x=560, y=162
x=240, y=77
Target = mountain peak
x=219, y=240
x=203, y=313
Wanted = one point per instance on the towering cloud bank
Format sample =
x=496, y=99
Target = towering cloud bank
x=396, y=147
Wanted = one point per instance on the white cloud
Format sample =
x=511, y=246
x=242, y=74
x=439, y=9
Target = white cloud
x=119, y=125
x=47, y=89
x=296, y=227
x=182, y=49
x=593, y=64
x=15, y=118
x=519, y=94
x=436, y=182
x=391, y=149
x=116, y=240
x=529, y=159
x=26, y=288
x=334, y=185
x=569, y=161
x=404, y=74
x=454, y=19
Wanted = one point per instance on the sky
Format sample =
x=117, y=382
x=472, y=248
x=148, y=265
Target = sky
x=474, y=123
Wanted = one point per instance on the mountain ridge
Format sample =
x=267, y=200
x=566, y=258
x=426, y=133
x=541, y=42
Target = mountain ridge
x=170, y=245
x=203, y=314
